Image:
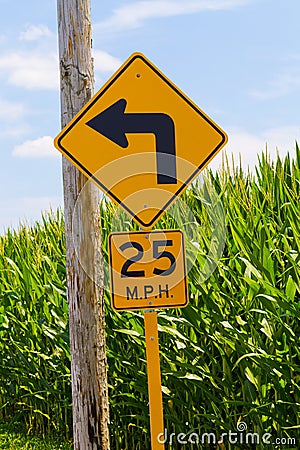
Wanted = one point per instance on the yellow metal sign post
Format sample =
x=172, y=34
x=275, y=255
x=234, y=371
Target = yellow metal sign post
x=154, y=380
x=147, y=272
x=143, y=141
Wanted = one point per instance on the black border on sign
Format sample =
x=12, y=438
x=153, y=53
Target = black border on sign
x=152, y=306
x=98, y=182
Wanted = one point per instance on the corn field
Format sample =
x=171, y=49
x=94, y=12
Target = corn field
x=230, y=357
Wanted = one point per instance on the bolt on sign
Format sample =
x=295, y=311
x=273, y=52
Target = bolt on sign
x=147, y=270
x=141, y=140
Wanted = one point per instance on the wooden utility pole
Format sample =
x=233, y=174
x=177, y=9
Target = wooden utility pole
x=83, y=237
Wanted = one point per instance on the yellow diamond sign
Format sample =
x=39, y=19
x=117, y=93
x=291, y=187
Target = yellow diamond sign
x=141, y=140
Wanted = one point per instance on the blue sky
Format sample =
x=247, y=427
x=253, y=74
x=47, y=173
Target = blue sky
x=239, y=60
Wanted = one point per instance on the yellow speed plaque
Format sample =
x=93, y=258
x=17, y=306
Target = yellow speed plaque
x=148, y=270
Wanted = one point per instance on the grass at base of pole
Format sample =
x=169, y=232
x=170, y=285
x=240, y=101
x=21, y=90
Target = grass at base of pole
x=15, y=438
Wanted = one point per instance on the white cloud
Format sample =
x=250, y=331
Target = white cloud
x=42, y=147
x=34, y=70
x=244, y=145
x=104, y=62
x=134, y=14
x=14, y=212
x=31, y=70
x=34, y=32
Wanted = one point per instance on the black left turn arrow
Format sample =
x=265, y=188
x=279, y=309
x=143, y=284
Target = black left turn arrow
x=114, y=123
